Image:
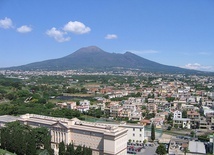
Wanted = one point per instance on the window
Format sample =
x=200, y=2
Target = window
x=133, y=134
x=140, y=135
x=140, y=130
x=133, y=129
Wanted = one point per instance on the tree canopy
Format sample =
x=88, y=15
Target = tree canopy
x=24, y=140
x=153, y=132
x=69, y=150
x=161, y=150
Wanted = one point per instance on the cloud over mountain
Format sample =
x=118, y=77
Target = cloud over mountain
x=76, y=27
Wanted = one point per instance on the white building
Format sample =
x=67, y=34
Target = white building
x=182, y=122
x=83, y=108
x=85, y=103
x=177, y=114
x=131, y=107
x=71, y=105
x=103, y=139
x=135, y=132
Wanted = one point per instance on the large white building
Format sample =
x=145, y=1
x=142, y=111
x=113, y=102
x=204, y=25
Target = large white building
x=135, y=132
x=103, y=139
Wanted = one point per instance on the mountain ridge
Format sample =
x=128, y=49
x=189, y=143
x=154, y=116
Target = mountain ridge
x=93, y=57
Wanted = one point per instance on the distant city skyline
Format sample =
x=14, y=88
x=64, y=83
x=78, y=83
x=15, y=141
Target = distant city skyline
x=176, y=33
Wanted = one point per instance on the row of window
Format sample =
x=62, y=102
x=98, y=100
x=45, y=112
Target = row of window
x=139, y=135
x=134, y=129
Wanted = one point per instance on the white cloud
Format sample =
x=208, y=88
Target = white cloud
x=6, y=23
x=24, y=29
x=57, y=35
x=197, y=66
x=76, y=27
x=111, y=36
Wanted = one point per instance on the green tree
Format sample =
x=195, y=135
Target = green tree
x=62, y=148
x=144, y=141
x=169, y=118
x=70, y=149
x=192, y=133
x=150, y=115
x=5, y=135
x=78, y=150
x=16, y=85
x=184, y=114
x=161, y=150
x=88, y=151
x=170, y=99
x=143, y=107
x=83, y=90
x=153, y=132
x=84, y=150
x=11, y=96
x=43, y=138
x=18, y=138
x=176, y=126
x=186, y=150
x=31, y=143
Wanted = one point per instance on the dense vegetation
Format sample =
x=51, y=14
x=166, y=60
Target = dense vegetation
x=70, y=150
x=33, y=95
x=24, y=140
x=161, y=150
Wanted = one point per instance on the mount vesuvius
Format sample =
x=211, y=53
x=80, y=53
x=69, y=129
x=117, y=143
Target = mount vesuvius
x=95, y=58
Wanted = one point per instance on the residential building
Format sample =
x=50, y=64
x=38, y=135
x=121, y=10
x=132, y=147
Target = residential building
x=71, y=105
x=152, y=107
x=136, y=116
x=157, y=121
x=125, y=113
x=210, y=120
x=177, y=114
x=182, y=122
x=83, y=108
x=195, y=118
x=85, y=103
x=115, y=110
x=193, y=115
x=176, y=146
x=203, y=123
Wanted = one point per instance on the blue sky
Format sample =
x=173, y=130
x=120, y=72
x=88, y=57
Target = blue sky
x=171, y=32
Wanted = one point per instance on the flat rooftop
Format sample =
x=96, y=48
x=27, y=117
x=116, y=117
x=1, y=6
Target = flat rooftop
x=197, y=147
x=8, y=118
